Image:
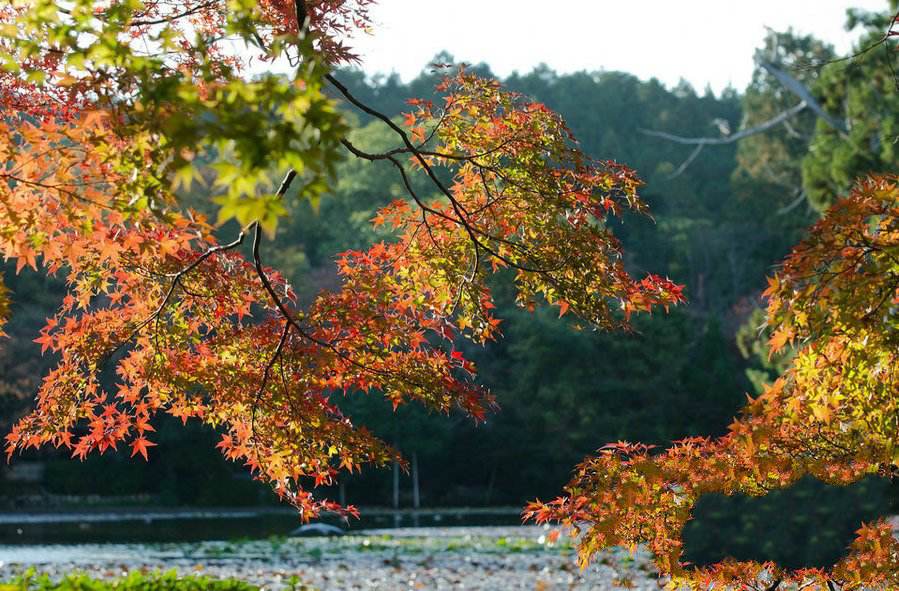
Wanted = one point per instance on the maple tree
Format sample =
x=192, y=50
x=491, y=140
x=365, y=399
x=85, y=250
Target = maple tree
x=831, y=415
x=110, y=107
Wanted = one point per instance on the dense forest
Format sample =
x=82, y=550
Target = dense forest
x=721, y=219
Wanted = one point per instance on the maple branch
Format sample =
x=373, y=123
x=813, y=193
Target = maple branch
x=445, y=155
x=289, y=318
x=389, y=156
x=174, y=17
x=427, y=209
x=264, y=384
x=176, y=281
x=276, y=299
x=286, y=313
x=418, y=156
x=56, y=187
x=461, y=220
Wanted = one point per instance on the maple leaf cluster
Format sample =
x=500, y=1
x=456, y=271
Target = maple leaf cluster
x=832, y=415
x=110, y=107
x=330, y=23
x=522, y=197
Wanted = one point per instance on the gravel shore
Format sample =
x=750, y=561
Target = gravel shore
x=476, y=558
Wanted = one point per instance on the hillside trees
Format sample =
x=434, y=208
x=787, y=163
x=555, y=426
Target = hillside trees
x=109, y=105
x=864, y=94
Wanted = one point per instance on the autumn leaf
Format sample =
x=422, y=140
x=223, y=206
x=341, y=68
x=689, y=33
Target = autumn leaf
x=140, y=446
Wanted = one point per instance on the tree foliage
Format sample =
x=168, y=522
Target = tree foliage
x=829, y=416
x=110, y=105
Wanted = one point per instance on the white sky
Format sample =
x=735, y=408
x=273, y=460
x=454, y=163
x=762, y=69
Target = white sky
x=707, y=42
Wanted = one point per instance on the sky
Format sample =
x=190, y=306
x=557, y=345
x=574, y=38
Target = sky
x=706, y=42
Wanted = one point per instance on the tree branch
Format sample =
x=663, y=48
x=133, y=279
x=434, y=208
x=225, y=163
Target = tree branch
x=807, y=100
x=744, y=133
x=793, y=205
x=461, y=219
x=799, y=89
x=265, y=378
x=680, y=169
x=176, y=281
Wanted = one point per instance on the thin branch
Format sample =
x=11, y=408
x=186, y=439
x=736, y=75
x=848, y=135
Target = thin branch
x=472, y=230
x=788, y=208
x=413, y=150
x=177, y=279
x=265, y=378
x=889, y=34
x=174, y=17
x=680, y=169
x=289, y=318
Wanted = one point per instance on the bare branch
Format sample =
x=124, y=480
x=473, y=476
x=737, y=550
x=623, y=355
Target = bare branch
x=720, y=141
x=801, y=91
x=793, y=205
x=807, y=100
x=680, y=169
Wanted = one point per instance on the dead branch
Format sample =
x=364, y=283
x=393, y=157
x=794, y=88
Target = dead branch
x=719, y=141
x=800, y=90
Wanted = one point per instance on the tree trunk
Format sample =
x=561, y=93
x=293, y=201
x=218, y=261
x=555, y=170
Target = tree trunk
x=396, y=485
x=416, y=496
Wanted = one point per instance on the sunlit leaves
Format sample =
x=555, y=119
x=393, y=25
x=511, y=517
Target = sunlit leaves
x=523, y=196
x=172, y=98
x=832, y=415
x=5, y=302
x=117, y=106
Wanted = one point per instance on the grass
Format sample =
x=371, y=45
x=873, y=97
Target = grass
x=316, y=548
x=168, y=581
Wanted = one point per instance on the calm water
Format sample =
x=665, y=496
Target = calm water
x=193, y=526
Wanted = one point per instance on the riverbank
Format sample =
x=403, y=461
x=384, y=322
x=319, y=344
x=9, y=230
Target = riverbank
x=476, y=558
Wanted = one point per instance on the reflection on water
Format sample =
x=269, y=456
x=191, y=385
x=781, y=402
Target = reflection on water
x=194, y=526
